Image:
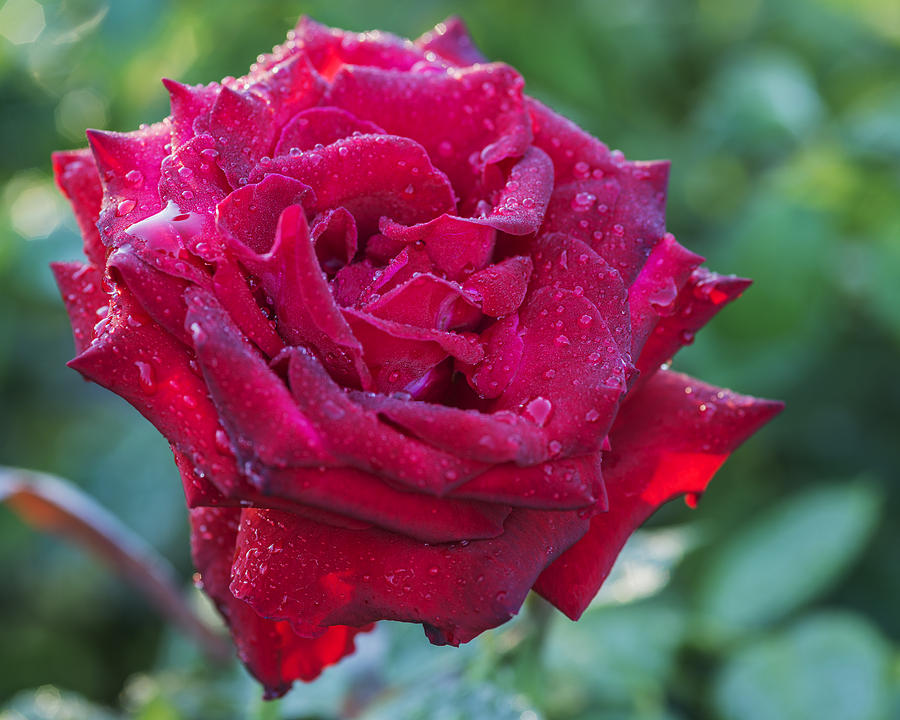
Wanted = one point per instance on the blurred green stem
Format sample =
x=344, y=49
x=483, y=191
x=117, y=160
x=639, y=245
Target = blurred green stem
x=268, y=710
x=527, y=661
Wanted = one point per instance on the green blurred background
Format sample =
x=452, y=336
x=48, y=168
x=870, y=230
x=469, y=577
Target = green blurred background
x=778, y=598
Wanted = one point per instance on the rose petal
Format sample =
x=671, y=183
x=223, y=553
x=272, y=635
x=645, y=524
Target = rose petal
x=136, y=359
x=128, y=164
x=81, y=287
x=362, y=496
x=466, y=119
x=589, y=176
x=563, y=262
x=272, y=652
x=451, y=40
x=356, y=436
x=491, y=438
x=457, y=246
x=77, y=177
x=571, y=366
x=190, y=106
x=501, y=288
x=427, y=301
x=249, y=216
x=330, y=48
x=243, y=126
x=519, y=206
x=289, y=273
x=654, y=291
x=324, y=576
x=399, y=355
x=371, y=176
x=700, y=299
x=669, y=439
x=270, y=429
x=503, y=348
x=321, y=126
x=567, y=484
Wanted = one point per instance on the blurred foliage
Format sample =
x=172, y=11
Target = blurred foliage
x=776, y=599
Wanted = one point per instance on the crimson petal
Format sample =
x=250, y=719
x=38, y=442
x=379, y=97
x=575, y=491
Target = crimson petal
x=669, y=439
x=466, y=119
x=617, y=207
x=566, y=484
x=271, y=429
x=451, y=40
x=490, y=438
x=457, y=246
x=323, y=576
x=81, y=287
x=356, y=436
x=571, y=375
x=501, y=288
x=426, y=301
x=503, y=348
x=321, y=126
x=700, y=299
x=272, y=652
x=363, y=496
x=654, y=291
x=564, y=262
x=400, y=355
x=136, y=359
x=371, y=176
x=77, y=177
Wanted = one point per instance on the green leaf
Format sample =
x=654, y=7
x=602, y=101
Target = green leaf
x=785, y=557
x=613, y=658
x=832, y=666
x=452, y=699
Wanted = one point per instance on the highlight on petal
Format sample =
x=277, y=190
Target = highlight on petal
x=668, y=440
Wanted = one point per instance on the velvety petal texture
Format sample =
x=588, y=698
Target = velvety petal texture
x=402, y=326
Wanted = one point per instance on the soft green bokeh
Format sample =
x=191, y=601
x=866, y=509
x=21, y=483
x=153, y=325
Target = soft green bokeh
x=779, y=596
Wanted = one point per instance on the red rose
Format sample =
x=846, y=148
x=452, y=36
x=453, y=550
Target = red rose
x=403, y=328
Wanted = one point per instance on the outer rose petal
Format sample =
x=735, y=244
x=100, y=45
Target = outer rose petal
x=589, y=177
x=653, y=293
x=669, y=439
x=330, y=48
x=139, y=361
x=81, y=287
x=76, y=176
x=318, y=576
x=272, y=652
x=451, y=40
x=700, y=299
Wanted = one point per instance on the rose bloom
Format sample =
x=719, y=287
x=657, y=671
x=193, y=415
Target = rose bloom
x=405, y=329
